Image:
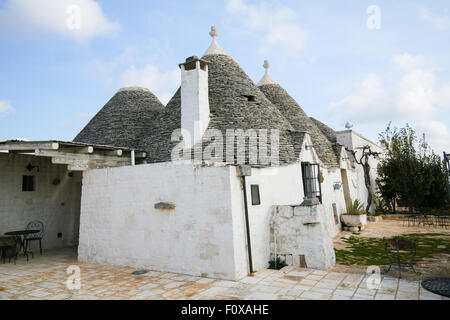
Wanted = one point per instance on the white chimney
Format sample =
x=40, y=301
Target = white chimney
x=194, y=98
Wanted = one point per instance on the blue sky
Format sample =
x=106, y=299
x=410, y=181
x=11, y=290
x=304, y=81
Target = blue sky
x=62, y=60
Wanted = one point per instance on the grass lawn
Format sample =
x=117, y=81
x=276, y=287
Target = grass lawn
x=371, y=251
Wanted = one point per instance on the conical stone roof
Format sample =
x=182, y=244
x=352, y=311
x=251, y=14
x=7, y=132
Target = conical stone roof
x=235, y=103
x=124, y=120
x=326, y=130
x=300, y=122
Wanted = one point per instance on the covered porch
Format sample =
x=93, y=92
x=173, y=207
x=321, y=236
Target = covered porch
x=41, y=181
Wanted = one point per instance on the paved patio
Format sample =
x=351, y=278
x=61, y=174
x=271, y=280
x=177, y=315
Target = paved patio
x=45, y=278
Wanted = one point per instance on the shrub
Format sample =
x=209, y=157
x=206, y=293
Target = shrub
x=411, y=172
x=356, y=208
x=277, y=264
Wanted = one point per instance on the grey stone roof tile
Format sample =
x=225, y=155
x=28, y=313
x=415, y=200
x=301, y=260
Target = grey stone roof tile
x=301, y=122
x=123, y=121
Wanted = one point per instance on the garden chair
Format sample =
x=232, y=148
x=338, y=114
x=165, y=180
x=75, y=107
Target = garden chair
x=400, y=253
x=443, y=222
x=412, y=219
x=10, y=248
x=428, y=221
x=35, y=225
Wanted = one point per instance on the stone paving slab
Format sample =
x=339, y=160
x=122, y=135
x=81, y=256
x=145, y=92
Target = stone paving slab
x=45, y=277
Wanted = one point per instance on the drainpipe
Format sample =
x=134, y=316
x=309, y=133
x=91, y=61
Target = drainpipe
x=246, y=171
x=447, y=171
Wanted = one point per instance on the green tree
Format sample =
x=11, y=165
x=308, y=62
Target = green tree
x=410, y=171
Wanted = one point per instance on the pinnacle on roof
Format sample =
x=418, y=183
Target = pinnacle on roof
x=214, y=48
x=300, y=121
x=235, y=103
x=267, y=79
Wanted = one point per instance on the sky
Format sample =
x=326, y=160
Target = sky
x=363, y=62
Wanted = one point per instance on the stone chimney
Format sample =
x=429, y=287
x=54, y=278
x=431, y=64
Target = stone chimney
x=194, y=98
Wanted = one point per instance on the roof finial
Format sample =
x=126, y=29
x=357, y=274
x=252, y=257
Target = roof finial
x=214, y=48
x=213, y=32
x=267, y=79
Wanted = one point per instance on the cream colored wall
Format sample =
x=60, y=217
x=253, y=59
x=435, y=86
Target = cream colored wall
x=121, y=226
x=57, y=206
x=352, y=140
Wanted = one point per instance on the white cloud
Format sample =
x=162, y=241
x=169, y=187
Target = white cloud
x=408, y=62
x=410, y=92
x=439, y=22
x=443, y=96
x=79, y=19
x=414, y=95
x=162, y=84
x=437, y=135
x=121, y=71
x=276, y=25
x=5, y=108
x=109, y=71
x=364, y=100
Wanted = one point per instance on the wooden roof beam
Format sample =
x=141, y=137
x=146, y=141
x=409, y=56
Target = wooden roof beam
x=79, y=149
x=24, y=146
x=77, y=156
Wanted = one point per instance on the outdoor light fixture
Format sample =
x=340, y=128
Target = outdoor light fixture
x=30, y=167
x=337, y=185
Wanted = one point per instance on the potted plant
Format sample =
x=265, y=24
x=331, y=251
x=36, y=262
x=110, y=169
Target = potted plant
x=355, y=219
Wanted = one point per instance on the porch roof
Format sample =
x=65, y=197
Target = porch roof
x=77, y=156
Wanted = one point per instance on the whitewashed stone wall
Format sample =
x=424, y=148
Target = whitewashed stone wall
x=302, y=230
x=281, y=186
x=353, y=140
x=277, y=186
x=120, y=226
x=331, y=196
x=56, y=205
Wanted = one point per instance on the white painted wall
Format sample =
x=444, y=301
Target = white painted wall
x=205, y=234
x=277, y=186
x=353, y=140
x=302, y=230
x=120, y=226
x=284, y=186
x=57, y=206
x=330, y=196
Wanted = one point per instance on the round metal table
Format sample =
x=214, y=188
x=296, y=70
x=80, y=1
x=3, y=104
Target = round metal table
x=440, y=286
x=22, y=234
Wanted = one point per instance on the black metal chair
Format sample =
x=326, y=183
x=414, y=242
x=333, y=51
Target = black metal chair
x=400, y=253
x=411, y=220
x=443, y=222
x=35, y=225
x=10, y=248
x=428, y=221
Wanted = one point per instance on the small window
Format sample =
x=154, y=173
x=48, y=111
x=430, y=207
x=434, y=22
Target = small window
x=28, y=183
x=250, y=98
x=256, y=201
